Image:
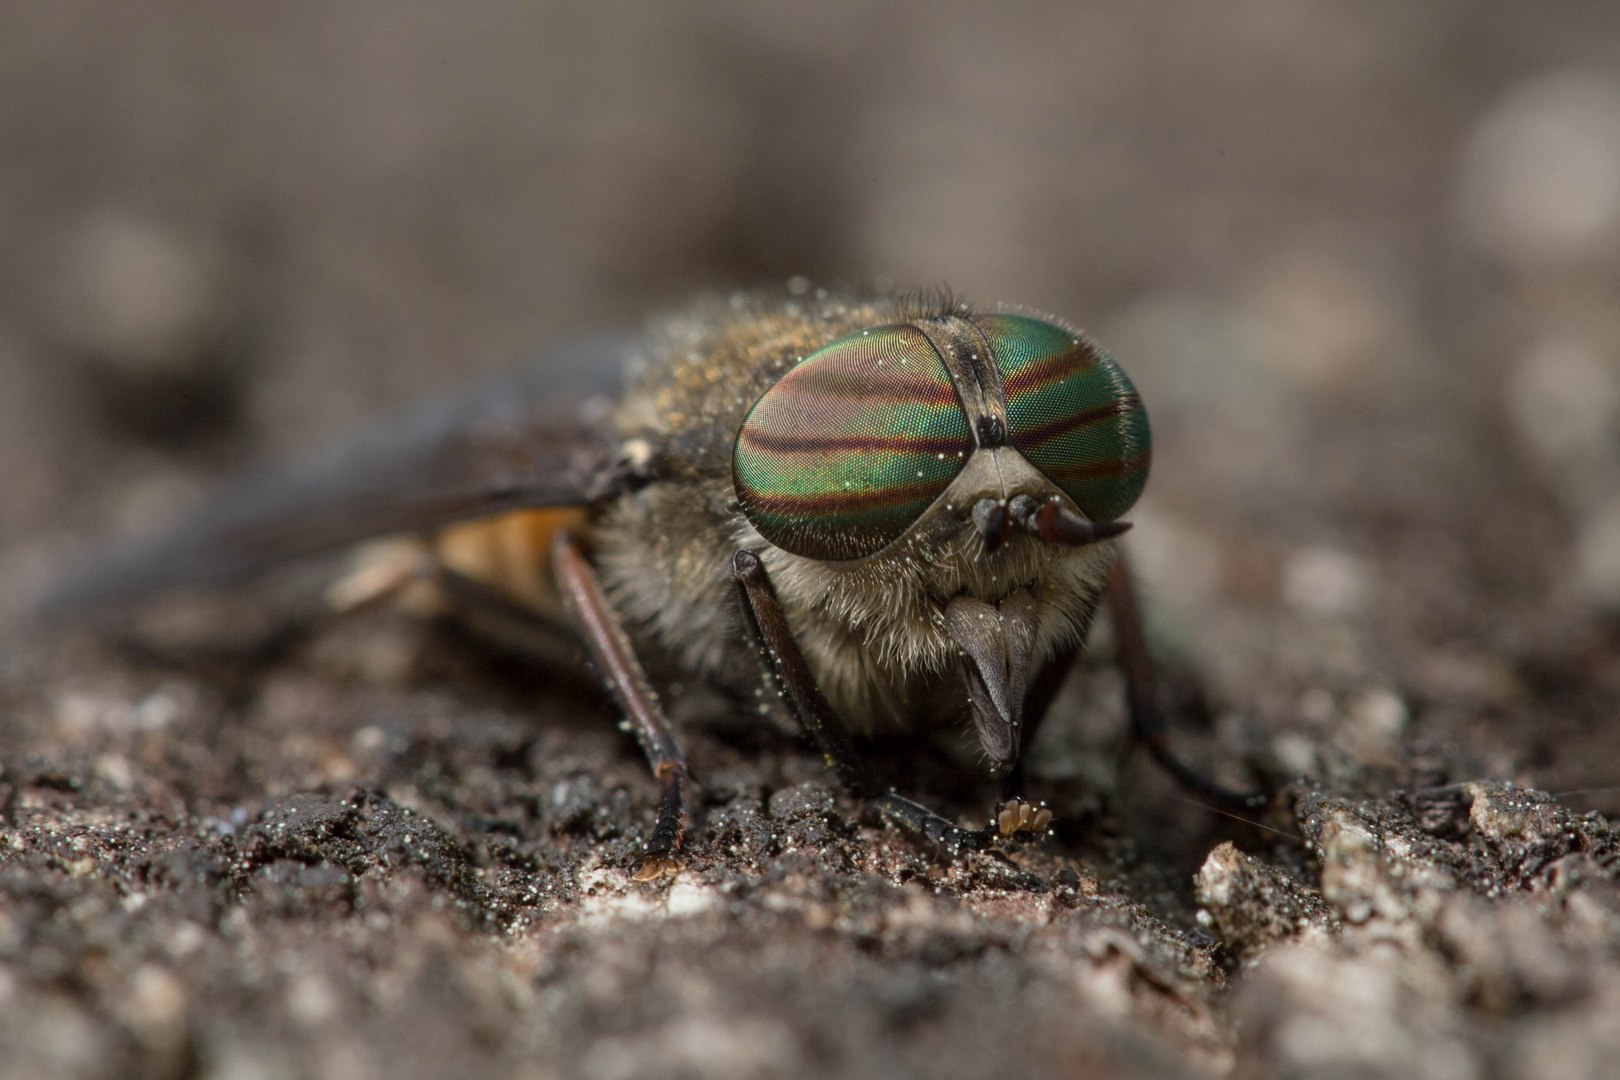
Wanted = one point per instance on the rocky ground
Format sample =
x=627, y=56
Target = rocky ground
x=267, y=869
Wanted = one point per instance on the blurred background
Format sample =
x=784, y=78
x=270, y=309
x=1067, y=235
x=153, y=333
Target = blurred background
x=1361, y=256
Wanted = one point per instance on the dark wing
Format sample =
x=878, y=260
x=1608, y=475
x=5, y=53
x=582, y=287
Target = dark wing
x=537, y=437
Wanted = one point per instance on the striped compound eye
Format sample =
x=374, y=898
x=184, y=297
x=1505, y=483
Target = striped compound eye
x=851, y=446
x=1072, y=413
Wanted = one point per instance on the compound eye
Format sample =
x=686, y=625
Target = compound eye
x=1072, y=412
x=851, y=446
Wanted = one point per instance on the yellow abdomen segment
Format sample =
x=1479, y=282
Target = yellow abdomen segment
x=511, y=552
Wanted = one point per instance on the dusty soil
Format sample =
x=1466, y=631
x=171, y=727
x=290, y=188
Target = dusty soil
x=264, y=868
x=1381, y=544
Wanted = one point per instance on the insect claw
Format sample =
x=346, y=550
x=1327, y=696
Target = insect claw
x=1017, y=816
x=655, y=865
x=1007, y=821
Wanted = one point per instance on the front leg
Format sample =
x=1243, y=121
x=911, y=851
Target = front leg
x=1148, y=725
x=610, y=647
x=786, y=663
x=787, y=666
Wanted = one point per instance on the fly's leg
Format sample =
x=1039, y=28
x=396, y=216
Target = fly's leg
x=899, y=811
x=1148, y=725
x=610, y=647
x=792, y=675
x=816, y=717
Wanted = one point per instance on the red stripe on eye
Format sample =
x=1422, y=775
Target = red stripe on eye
x=1064, y=425
x=836, y=502
x=771, y=442
x=1050, y=369
x=834, y=382
x=1113, y=469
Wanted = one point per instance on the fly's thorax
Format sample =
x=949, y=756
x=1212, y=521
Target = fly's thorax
x=664, y=556
x=703, y=370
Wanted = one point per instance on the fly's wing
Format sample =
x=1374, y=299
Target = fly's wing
x=538, y=437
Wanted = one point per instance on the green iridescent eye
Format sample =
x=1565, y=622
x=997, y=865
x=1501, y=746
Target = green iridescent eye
x=1072, y=413
x=851, y=446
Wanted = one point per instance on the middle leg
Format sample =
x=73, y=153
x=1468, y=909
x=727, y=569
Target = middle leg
x=610, y=647
x=1148, y=724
